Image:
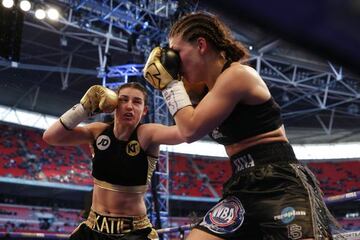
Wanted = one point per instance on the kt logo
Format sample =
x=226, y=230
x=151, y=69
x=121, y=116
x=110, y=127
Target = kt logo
x=133, y=148
x=102, y=142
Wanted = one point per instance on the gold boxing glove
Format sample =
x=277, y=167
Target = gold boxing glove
x=162, y=67
x=97, y=99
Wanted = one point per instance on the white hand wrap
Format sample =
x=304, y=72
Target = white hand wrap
x=75, y=115
x=176, y=96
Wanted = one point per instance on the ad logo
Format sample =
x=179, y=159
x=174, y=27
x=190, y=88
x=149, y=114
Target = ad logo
x=288, y=215
x=103, y=142
x=133, y=148
x=225, y=217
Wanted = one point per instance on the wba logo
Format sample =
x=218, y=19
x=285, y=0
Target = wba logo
x=225, y=217
x=103, y=142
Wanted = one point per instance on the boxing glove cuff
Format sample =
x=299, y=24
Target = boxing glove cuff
x=176, y=96
x=75, y=115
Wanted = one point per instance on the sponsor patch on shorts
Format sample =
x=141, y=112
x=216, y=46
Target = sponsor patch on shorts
x=225, y=217
x=288, y=214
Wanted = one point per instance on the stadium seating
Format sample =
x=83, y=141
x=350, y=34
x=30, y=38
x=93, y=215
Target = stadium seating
x=20, y=218
x=24, y=154
x=337, y=177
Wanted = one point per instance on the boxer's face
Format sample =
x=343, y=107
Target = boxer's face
x=131, y=106
x=191, y=61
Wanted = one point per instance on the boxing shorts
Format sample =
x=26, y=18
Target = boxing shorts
x=270, y=195
x=98, y=226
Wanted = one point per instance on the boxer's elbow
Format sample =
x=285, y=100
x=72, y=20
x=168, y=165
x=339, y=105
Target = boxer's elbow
x=192, y=135
x=190, y=140
x=52, y=137
x=49, y=138
x=56, y=134
x=191, y=127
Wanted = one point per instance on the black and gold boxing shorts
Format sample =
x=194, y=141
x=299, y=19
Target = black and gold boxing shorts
x=269, y=196
x=114, y=227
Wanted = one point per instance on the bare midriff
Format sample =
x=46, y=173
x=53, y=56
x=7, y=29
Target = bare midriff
x=114, y=203
x=277, y=135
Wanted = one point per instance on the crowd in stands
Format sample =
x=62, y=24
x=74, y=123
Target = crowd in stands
x=197, y=176
x=25, y=155
x=185, y=180
x=19, y=218
x=350, y=224
x=337, y=177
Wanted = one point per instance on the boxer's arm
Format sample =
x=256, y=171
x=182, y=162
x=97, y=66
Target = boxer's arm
x=66, y=132
x=232, y=86
x=169, y=135
x=152, y=135
x=57, y=135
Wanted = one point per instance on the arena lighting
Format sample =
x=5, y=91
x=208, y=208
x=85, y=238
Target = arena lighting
x=8, y=3
x=40, y=13
x=25, y=5
x=52, y=14
x=202, y=148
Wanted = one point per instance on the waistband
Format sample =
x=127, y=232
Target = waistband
x=120, y=188
x=263, y=154
x=116, y=225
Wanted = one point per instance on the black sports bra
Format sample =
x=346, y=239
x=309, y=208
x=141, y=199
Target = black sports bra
x=121, y=165
x=247, y=121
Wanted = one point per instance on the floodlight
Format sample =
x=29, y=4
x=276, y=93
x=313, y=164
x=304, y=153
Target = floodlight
x=53, y=14
x=8, y=3
x=25, y=5
x=40, y=14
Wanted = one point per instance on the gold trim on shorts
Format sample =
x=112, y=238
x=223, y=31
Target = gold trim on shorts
x=120, y=188
x=118, y=225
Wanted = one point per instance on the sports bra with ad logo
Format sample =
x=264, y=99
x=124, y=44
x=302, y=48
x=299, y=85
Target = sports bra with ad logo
x=119, y=163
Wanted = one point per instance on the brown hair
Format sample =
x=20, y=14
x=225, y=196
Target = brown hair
x=137, y=86
x=202, y=24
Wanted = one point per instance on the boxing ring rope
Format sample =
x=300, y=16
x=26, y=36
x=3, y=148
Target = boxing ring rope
x=175, y=229
x=351, y=235
x=8, y=235
x=337, y=199
x=180, y=229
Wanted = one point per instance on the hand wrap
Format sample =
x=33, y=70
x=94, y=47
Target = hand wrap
x=75, y=115
x=176, y=96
